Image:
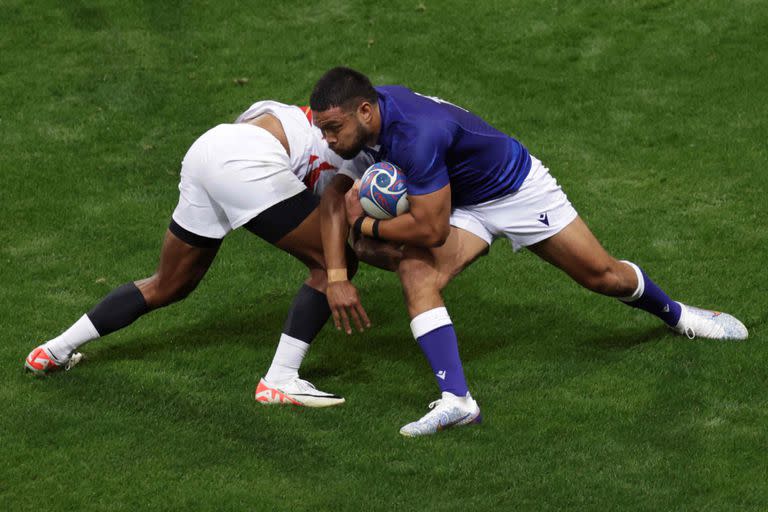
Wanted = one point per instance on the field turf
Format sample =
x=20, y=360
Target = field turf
x=651, y=114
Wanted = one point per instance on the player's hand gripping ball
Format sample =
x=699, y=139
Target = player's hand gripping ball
x=383, y=193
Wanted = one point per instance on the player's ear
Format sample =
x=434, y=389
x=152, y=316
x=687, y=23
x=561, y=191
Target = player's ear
x=365, y=111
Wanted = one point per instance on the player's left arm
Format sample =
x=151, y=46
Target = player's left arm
x=342, y=295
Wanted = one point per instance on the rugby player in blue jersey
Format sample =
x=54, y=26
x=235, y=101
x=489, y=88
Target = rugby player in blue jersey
x=468, y=183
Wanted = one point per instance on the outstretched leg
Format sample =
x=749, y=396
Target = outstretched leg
x=577, y=252
x=182, y=266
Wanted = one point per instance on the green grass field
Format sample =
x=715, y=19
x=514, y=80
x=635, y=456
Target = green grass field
x=651, y=113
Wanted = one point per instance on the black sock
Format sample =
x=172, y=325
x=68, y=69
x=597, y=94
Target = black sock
x=308, y=314
x=119, y=309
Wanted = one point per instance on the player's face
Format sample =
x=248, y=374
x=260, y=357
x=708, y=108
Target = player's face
x=344, y=130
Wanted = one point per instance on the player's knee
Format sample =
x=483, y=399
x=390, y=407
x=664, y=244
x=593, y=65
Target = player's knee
x=408, y=271
x=415, y=276
x=314, y=258
x=352, y=262
x=159, y=292
x=311, y=256
x=183, y=291
x=317, y=279
x=439, y=237
x=605, y=281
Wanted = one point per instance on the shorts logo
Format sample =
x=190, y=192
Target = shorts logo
x=544, y=219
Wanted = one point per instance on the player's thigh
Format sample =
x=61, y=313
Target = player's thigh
x=293, y=225
x=461, y=248
x=304, y=242
x=432, y=269
x=577, y=252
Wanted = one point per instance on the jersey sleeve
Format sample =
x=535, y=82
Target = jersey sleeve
x=422, y=159
x=332, y=158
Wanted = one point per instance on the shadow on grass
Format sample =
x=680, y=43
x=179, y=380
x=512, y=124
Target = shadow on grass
x=181, y=407
x=486, y=328
x=630, y=339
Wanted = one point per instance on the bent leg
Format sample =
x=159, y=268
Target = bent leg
x=307, y=315
x=293, y=225
x=424, y=273
x=181, y=268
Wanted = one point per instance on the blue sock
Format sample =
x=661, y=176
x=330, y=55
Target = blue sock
x=434, y=331
x=649, y=297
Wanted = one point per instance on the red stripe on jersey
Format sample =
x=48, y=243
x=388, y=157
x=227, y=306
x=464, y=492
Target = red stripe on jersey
x=307, y=112
x=313, y=175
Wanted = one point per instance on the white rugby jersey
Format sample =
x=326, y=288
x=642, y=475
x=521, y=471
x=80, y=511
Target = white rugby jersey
x=311, y=159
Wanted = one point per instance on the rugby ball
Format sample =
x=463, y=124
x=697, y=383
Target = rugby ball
x=383, y=193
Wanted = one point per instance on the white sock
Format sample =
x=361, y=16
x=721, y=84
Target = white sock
x=640, y=284
x=67, y=342
x=288, y=357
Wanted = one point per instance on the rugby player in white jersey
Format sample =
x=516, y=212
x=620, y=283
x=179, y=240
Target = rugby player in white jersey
x=258, y=173
x=467, y=183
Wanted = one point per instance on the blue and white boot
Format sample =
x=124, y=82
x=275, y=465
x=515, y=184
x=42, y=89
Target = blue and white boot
x=449, y=411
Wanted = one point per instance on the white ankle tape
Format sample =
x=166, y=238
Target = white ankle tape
x=429, y=321
x=640, y=284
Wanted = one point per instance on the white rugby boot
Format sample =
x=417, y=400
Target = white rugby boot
x=449, y=411
x=704, y=323
x=41, y=361
x=294, y=392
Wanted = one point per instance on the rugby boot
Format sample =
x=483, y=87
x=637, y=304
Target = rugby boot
x=295, y=392
x=704, y=323
x=41, y=361
x=448, y=412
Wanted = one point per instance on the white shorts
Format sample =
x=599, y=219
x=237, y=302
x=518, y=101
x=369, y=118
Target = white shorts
x=232, y=173
x=539, y=210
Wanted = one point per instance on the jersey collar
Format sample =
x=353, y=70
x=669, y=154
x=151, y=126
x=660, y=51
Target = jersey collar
x=383, y=123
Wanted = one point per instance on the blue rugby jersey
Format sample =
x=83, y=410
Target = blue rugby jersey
x=435, y=143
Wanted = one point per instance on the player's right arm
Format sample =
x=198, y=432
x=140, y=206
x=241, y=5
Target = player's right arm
x=421, y=154
x=342, y=295
x=426, y=224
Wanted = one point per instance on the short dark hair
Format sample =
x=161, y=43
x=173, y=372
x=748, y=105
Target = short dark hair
x=342, y=87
